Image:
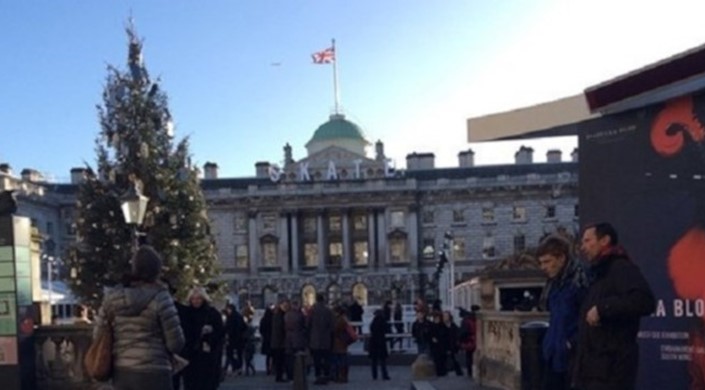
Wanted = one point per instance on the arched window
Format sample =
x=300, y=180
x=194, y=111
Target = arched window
x=308, y=295
x=359, y=293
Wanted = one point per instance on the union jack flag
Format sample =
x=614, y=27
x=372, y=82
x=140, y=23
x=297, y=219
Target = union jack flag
x=324, y=57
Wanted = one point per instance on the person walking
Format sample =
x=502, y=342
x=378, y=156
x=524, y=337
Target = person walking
x=453, y=345
x=468, y=335
x=377, y=349
x=321, y=336
x=146, y=328
x=355, y=312
x=562, y=297
x=234, y=329
x=265, y=332
x=250, y=347
x=440, y=344
x=295, y=339
x=398, y=316
x=343, y=336
x=204, y=343
x=278, y=342
x=421, y=331
x=608, y=354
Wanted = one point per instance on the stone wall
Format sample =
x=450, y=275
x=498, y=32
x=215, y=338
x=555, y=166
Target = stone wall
x=59, y=352
x=498, y=355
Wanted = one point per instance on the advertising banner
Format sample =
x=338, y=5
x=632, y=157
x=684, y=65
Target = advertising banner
x=644, y=172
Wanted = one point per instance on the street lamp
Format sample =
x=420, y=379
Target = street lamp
x=449, y=246
x=134, y=206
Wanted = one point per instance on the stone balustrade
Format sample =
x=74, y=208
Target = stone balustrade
x=498, y=355
x=59, y=352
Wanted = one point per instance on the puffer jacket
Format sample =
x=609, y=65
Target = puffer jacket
x=146, y=329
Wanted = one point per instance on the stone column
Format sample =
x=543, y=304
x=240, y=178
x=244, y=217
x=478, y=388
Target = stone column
x=412, y=244
x=283, y=247
x=371, y=239
x=322, y=250
x=253, y=242
x=347, y=240
x=382, y=239
x=295, y=243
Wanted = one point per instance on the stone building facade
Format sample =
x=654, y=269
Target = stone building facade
x=345, y=224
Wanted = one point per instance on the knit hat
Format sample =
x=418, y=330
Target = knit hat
x=146, y=264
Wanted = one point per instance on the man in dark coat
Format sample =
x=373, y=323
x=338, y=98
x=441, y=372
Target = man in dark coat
x=235, y=329
x=378, y=344
x=295, y=340
x=355, y=312
x=562, y=296
x=608, y=354
x=320, y=328
x=278, y=342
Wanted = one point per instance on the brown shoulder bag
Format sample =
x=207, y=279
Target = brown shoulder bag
x=98, y=361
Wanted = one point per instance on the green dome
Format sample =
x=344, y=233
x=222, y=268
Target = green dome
x=337, y=127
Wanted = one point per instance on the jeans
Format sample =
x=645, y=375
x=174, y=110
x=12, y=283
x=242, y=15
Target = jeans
x=127, y=379
x=382, y=362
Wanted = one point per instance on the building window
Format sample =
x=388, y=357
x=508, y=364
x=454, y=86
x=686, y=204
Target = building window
x=240, y=223
x=310, y=255
x=397, y=218
x=519, y=243
x=576, y=211
x=334, y=223
x=397, y=249
x=428, y=217
x=360, y=222
x=519, y=213
x=334, y=294
x=269, y=254
x=458, y=216
x=269, y=221
x=50, y=228
x=361, y=253
x=488, y=251
x=242, y=257
x=335, y=254
x=487, y=214
x=308, y=295
x=551, y=211
x=429, y=248
x=310, y=225
x=458, y=248
x=70, y=229
x=359, y=292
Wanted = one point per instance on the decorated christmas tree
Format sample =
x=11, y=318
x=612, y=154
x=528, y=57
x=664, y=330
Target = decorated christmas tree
x=136, y=151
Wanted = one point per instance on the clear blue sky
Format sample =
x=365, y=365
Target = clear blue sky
x=411, y=71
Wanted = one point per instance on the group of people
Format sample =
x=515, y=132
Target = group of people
x=290, y=331
x=595, y=313
x=437, y=335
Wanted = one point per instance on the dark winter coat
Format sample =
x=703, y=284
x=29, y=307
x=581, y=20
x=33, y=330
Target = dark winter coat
x=608, y=354
x=320, y=327
x=204, y=351
x=453, y=337
x=295, y=325
x=355, y=312
x=235, y=329
x=421, y=331
x=146, y=327
x=265, y=331
x=278, y=333
x=440, y=339
x=564, y=297
x=378, y=341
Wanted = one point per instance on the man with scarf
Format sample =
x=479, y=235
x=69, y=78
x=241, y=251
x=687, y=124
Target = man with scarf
x=608, y=354
x=562, y=296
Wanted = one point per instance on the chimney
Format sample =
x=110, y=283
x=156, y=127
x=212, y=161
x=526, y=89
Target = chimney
x=420, y=161
x=288, y=155
x=525, y=155
x=31, y=175
x=78, y=175
x=210, y=170
x=262, y=168
x=6, y=169
x=379, y=151
x=574, y=155
x=554, y=156
x=466, y=159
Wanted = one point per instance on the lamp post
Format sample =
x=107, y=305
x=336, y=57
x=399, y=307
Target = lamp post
x=449, y=247
x=134, y=206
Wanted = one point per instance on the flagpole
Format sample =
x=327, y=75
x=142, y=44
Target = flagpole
x=336, y=95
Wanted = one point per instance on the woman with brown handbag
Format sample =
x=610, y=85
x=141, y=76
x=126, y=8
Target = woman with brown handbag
x=145, y=327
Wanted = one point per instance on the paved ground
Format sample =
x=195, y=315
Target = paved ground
x=360, y=378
